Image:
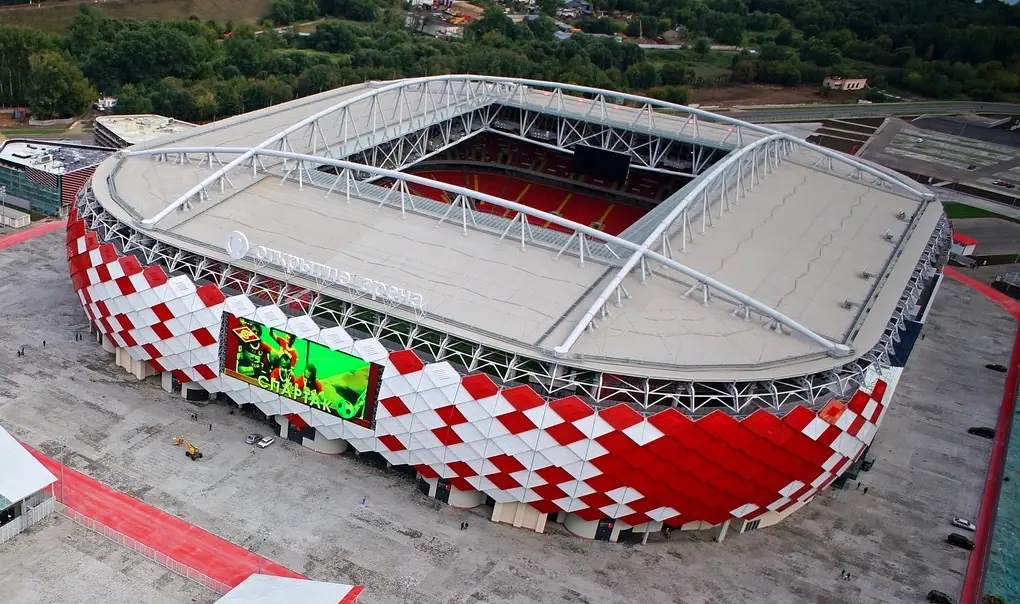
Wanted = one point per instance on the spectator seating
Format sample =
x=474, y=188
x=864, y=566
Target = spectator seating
x=588, y=210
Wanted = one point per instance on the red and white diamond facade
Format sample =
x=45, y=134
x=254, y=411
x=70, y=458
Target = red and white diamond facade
x=594, y=443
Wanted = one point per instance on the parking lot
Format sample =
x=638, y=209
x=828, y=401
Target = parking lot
x=304, y=510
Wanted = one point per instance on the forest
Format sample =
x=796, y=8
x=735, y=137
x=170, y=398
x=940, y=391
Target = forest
x=201, y=70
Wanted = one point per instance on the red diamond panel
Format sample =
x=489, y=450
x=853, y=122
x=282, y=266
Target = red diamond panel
x=702, y=469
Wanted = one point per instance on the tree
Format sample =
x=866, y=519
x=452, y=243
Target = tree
x=132, y=100
x=642, y=75
x=493, y=19
x=702, y=46
x=681, y=95
x=318, y=79
x=548, y=7
x=57, y=88
x=17, y=44
x=281, y=12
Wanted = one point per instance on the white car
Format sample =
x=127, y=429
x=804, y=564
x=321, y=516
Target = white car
x=964, y=524
x=265, y=442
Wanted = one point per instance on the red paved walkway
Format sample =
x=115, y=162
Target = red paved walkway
x=180, y=541
x=30, y=232
x=973, y=582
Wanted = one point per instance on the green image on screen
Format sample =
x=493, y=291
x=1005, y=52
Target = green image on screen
x=331, y=381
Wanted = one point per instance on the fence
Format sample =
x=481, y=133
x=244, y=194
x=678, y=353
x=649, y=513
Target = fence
x=158, y=557
x=28, y=517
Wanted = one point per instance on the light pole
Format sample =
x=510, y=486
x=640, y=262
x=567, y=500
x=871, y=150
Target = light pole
x=3, y=205
x=255, y=547
x=408, y=585
x=62, y=442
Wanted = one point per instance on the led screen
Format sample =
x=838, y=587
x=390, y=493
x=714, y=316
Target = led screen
x=310, y=373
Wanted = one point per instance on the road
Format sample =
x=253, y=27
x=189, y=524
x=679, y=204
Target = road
x=808, y=113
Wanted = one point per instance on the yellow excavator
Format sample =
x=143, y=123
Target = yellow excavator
x=193, y=453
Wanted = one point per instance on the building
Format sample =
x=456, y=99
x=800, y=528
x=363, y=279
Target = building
x=270, y=589
x=119, y=131
x=963, y=245
x=46, y=176
x=840, y=83
x=468, y=10
x=24, y=499
x=553, y=306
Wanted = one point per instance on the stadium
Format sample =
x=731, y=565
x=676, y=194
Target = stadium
x=568, y=304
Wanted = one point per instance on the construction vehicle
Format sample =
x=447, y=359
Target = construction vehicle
x=193, y=453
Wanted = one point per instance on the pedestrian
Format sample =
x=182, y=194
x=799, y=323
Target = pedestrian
x=865, y=490
x=842, y=573
x=848, y=576
x=44, y=343
x=666, y=533
x=210, y=427
x=465, y=526
x=461, y=526
x=364, y=500
x=253, y=450
x=858, y=489
x=922, y=335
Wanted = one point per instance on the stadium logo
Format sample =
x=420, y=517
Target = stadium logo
x=238, y=247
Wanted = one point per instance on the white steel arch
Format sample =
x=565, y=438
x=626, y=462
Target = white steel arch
x=487, y=84
x=639, y=252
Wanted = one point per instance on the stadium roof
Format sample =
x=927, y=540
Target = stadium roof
x=794, y=246
x=51, y=157
x=137, y=129
x=22, y=473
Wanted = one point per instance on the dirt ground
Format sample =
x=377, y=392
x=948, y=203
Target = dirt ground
x=758, y=94
x=55, y=16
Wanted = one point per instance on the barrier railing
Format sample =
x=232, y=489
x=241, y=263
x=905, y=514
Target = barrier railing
x=27, y=519
x=158, y=557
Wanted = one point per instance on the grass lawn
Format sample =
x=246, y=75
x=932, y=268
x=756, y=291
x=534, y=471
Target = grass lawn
x=53, y=17
x=31, y=131
x=715, y=64
x=959, y=210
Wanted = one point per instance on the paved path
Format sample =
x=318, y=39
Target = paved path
x=180, y=541
x=977, y=566
x=30, y=232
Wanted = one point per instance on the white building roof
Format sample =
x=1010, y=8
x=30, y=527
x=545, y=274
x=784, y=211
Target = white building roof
x=22, y=473
x=135, y=129
x=799, y=242
x=269, y=589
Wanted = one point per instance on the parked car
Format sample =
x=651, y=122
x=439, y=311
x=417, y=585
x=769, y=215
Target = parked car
x=964, y=524
x=972, y=167
x=265, y=442
x=253, y=438
x=996, y=367
x=981, y=431
x=938, y=597
x=960, y=541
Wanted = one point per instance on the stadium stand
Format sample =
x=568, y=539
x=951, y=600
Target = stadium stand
x=597, y=213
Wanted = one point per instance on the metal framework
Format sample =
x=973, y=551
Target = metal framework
x=398, y=124
x=552, y=378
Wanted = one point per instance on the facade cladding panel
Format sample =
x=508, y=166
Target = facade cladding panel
x=509, y=443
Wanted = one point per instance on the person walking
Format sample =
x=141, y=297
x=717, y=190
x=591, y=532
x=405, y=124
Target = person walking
x=865, y=490
x=210, y=427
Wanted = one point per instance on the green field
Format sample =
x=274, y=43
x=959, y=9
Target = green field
x=959, y=210
x=31, y=131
